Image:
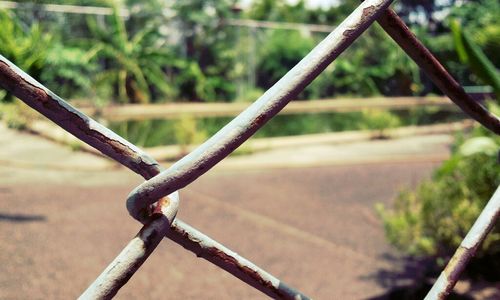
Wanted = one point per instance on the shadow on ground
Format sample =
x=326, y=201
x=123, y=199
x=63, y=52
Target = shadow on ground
x=414, y=280
x=19, y=218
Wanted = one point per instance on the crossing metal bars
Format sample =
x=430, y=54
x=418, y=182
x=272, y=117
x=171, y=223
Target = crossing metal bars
x=155, y=202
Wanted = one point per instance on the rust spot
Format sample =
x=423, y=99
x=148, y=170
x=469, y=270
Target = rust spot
x=368, y=11
x=231, y=261
x=163, y=202
x=259, y=120
x=231, y=264
x=282, y=291
x=457, y=263
x=349, y=32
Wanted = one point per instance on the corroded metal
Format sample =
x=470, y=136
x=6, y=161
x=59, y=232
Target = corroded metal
x=399, y=31
x=53, y=107
x=63, y=114
x=467, y=249
x=230, y=261
x=255, y=116
x=159, y=220
x=121, y=269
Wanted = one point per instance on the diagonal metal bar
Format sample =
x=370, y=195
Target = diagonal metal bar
x=63, y=114
x=216, y=253
x=53, y=107
x=395, y=27
x=91, y=132
x=255, y=116
x=121, y=269
x=467, y=249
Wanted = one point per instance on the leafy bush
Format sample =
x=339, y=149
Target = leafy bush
x=17, y=115
x=281, y=52
x=187, y=132
x=470, y=53
x=44, y=57
x=379, y=121
x=26, y=47
x=433, y=219
x=69, y=71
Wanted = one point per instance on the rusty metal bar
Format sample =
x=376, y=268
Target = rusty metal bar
x=123, y=267
x=53, y=107
x=255, y=116
x=399, y=31
x=160, y=222
x=63, y=114
x=467, y=249
x=83, y=127
x=214, y=252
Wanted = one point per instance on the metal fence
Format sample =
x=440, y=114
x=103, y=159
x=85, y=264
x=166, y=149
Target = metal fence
x=155, y=202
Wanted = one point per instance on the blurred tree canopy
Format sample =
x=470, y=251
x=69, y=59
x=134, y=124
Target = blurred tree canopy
x=188, y=51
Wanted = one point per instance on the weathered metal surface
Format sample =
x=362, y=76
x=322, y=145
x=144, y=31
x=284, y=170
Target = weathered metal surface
x=53, y=107
x=254, y=117
x=467, y=249
x=63, y=114
x=121, y=269
x=159, y=220
x=230, y=261
x=399, y=31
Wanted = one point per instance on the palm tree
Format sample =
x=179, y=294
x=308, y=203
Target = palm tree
x=134, y=65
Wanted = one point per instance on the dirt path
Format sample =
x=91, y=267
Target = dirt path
x=315, y=228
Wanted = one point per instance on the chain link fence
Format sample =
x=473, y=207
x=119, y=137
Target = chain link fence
x=154, y=203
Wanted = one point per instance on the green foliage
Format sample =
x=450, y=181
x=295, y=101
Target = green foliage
x=184, y=50
x=24, y=46
x=379, y=121
x=470, y=53
x=69, y=72
x=480, y=20
x=433, y=219
x=17, y=115
x=193, y=84
x=282, y=52
x=134, y=63
x=207, y=49
x=44, y=57
x=188, y=133
x=390, y=71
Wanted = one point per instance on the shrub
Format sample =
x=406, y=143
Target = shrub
x=187, y=133
x=17, y=115
x=378, y=121
x=433, y=219
x=24, y=46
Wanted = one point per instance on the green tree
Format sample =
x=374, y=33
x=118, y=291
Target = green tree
x=24, y=46
x=207, y=47
x=134, y=64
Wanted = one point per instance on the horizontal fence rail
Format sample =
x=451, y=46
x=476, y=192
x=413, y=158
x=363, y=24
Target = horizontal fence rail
x=155, y=202
x=178, y=110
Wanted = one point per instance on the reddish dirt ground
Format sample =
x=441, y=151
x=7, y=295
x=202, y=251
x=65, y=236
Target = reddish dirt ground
x=314, y=228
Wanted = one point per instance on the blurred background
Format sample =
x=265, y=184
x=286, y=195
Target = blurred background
x=362, y=188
